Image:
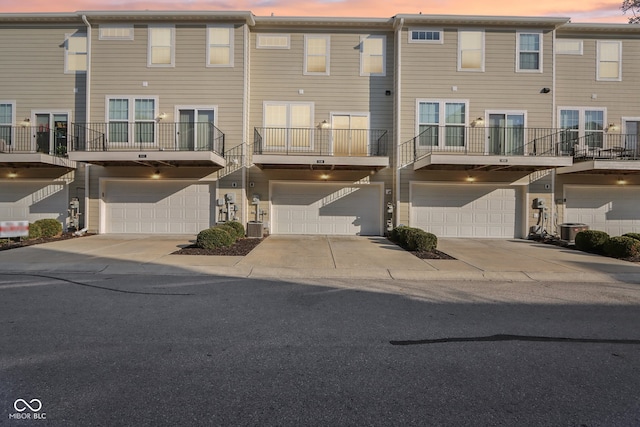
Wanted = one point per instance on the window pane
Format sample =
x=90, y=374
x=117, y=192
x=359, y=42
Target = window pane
x=373, y=64
x=568, y=46
x=471, y=59
x=5, y=114
x=219, y=35
x=429, y=113
x=454, y=136
x=316, y=64
x=160, y=36
x=470, y=40
x=609, y=70
x=455, y=113
x=569, y=119
x=428, y=136
x=77, y=62
x=372, y=46
x=609, y=52
x=594, y=120
x=144, y=109
x=118, y=132
x=161, y=55
x=300, y=116
x=316, y=46
x=77, y=43
x=219, y=55
x=530, y=42
x=144, y=132
x=118, y=109
x=529, y=61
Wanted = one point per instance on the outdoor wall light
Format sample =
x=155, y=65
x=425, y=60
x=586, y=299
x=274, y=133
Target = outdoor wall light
x=162, y=116
x=613, y=127
x=13, y=174
x=26, y=122
x=478, y=122
x=621, y=181
x=545, y=90
x=324, y=176
x=324, y=125
x=156, y=174
x=470, y=178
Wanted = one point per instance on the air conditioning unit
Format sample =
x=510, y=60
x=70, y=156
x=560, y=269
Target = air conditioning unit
x=255, y=229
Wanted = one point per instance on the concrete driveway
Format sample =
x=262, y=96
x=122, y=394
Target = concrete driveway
x=323, y=257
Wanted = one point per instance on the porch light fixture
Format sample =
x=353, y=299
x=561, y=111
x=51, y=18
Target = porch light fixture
x=479, y=122
x=324, y=125
x=471, y=178
x=613, y=127
x=13, y=174
x=621, y=181
x=156, y=174
x=545, y=90
x=26, y=122
x=162, y=116
x=324, y=177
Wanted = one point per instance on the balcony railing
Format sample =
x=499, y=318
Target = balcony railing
x=147, y=136
x=321, y=142
x=600, y=145
x=33, y=139
x=485, y=141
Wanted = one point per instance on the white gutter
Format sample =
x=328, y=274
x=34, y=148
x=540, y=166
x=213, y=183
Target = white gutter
x=87, y=119
x=398, y=121
x=245, y=124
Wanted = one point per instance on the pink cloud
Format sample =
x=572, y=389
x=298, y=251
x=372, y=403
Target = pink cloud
x=579, y=11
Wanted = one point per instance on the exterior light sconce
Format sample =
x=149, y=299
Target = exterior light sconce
x=13, y=174
x=621, y=181
x=324, y=125
x=324, y=177
x=613, y=128
x=162, y=116
x=156, y=174
x=25, y=123
x=470, y=178
x=479, y=122
x=545, y=90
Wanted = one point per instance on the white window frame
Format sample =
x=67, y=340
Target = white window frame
x=581, y=122
x=10, y=124
x=351, y=114
x=260, y=37
x=442, y=121
x=131, y=119
x=288, y=105
x=363, y=73
x=68, y=53
x=172, y=46
x=440, y=31
x=210, y=44
x=327, y=55
x=482, y=50
x=539, y=52
x=599, y=43
x=578, y=51
x=103, y=36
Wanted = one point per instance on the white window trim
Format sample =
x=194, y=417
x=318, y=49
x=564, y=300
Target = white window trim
x=173, y=46
x=231, y=44
x=426, y=29
x=288, y=104
x=67, y=36
x=259, y=36
x=384, y=55
x=177, y=109
x=472, y=70
x=129, y=27
x=327, y=39
x=540, y=52
x=570, y=52
x=132, y=117
x=12, y=123
x=442, y=118
x=581, y=123
x=607, y=79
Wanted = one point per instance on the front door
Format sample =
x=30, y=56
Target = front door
x=350, y=134
x=631, y=137
x=195, y=129
x=506, y=134
x=51, y=133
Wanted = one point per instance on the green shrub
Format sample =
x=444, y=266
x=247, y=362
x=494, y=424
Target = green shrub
x=238, y=228
x=632, y=235
x=591, y=240
x=394, y=234
x=34, y=231
x=622, y=247
x=49, y=227
x=229, y=229
x=215, y=237
x=413, y=239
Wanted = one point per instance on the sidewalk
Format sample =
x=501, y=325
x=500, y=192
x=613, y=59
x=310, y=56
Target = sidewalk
x=307, y=257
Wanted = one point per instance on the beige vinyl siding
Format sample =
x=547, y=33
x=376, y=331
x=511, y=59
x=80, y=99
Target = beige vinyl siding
x=120, y=68
x=33, y=70
x=577, y=84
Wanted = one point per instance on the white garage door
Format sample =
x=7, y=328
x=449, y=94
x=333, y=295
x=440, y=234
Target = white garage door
x=24, y=200
x=474, y=210
x=615, y=210
x=168, y=207
x=304, y=208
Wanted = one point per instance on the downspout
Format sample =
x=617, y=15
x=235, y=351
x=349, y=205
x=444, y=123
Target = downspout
x=87, y=115
x=552, y=216
x=398, y=121
x=245, y=124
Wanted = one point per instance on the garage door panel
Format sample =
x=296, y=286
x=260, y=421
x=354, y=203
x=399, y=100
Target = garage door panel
x=157, y=207
x=605, y=208
x=464, y=211
x=31, y=201
x=304, y=208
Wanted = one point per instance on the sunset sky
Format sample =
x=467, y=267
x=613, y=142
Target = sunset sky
x=578, y=11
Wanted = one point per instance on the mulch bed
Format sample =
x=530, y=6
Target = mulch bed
x=241, y=248
x=435, y=254
x=14, y=243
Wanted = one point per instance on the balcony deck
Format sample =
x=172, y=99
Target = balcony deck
x=28, y=146
x=149, y=144
x=485, y=148
x=605, y=153
x=321, y=149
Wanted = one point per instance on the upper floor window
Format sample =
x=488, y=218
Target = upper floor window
x=441, y=123
x=273, y=41
x=609, y=61
x=75, y=58
x=372, y=55
x=583, y=127
x=316, y=54
x=470, y=50
x=568, y=47
x=116, y=32
x=220, y=45
x=425, y=35
x=131, y=119
x=161, y=46
x=6, y=122
x=529, y=52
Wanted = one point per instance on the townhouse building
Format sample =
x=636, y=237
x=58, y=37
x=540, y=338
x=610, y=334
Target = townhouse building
x=465, y=126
